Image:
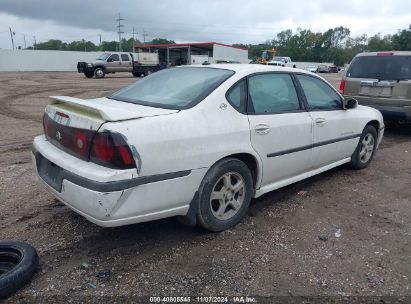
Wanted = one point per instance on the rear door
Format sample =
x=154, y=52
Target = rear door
x=126, y=63
x=334, y=129
x=281, y=129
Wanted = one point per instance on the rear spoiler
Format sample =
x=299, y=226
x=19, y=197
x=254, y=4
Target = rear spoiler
x=105, y=111
x=110, y=110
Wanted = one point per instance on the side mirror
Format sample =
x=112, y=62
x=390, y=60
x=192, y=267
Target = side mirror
x=351, y=103
x=110, y=60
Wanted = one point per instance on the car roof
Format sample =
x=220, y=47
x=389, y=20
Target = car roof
x=249, y=68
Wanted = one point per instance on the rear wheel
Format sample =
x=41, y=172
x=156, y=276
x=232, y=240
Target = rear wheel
x=365, y=150
x=18, y=263
x=135, y=74
x=99, y=72
x=148, y=72
x=224, y=195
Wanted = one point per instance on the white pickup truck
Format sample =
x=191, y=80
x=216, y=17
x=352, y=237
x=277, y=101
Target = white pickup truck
x=282, y=61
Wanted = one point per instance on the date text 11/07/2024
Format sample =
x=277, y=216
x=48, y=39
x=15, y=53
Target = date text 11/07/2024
x=203, y=299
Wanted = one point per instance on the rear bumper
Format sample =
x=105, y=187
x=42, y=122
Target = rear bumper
x=393, y=109
x=109, y=200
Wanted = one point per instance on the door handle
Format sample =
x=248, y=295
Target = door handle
x=320, y=121
x=262, y=129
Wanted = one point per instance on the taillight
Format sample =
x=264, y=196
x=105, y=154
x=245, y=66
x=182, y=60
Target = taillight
x=73, y=140
x=342, y=87
x=111, y=150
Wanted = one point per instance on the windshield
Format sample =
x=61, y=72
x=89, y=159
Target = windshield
x=279, y=59
x=103, y=56
x=174, y=88
x=381, y=67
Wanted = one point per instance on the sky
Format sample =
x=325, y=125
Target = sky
x=225, y=21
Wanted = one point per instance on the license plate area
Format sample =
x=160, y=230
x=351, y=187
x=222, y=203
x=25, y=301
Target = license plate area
x=49, y=172
x=376, y=89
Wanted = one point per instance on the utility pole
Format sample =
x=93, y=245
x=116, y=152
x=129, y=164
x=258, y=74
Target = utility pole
x=11, y=36
x=24, y=37
x=133, y=38
x=119, y=26
x=144, y=35
x=35, y=42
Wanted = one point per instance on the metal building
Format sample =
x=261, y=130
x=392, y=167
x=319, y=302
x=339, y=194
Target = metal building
x=196, y=53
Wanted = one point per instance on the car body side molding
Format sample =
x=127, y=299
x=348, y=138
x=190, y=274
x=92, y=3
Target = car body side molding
x=318, y=144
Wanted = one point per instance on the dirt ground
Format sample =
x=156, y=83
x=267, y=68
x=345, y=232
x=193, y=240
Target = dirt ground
x=274, y=251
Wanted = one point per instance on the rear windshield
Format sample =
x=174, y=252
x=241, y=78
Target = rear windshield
x=381, y=67
x=174, y=88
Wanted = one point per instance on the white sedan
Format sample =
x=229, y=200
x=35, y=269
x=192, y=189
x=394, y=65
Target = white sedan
x=198, y=142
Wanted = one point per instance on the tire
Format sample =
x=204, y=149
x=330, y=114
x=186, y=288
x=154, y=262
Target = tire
x=18, y=263
x=135, y=74
x=223, y=213
x=99, y=73
x=89, y=74
x=148, y=72
x=365, y=150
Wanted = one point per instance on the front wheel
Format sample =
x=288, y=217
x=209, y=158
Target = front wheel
x=99, y=73
x=365, y=150
x=224, y=195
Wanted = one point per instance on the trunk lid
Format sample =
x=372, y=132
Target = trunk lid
x=71, y=123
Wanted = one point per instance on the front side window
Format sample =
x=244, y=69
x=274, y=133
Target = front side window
x=114, y=57
x=173, y=88
x=319, y=95
x=124, y=57
x=272, y=93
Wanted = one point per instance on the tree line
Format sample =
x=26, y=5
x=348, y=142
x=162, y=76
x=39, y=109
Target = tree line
x=334, y=45
x=88, y=46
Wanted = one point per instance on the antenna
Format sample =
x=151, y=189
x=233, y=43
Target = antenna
x=119, y=26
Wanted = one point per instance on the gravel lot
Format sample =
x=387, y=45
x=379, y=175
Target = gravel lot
x=275, y=251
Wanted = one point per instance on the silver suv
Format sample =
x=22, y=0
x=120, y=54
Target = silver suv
x=381, y=80
x=109, y=62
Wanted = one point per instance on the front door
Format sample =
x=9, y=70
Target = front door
x=114, y=63
x=280, y=127
x=334, y=129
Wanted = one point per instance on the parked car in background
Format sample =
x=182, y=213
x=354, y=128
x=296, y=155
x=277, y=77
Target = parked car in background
x=198, y=142
x=110, y=62
x=312, y=69
x=381, y=80
x=333, y=69
x=322, y=68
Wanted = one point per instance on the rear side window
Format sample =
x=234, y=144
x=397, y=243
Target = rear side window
x=272, y=93
x=124, y=57
x=237, y=95
x=380, y=67
x=319, y=95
